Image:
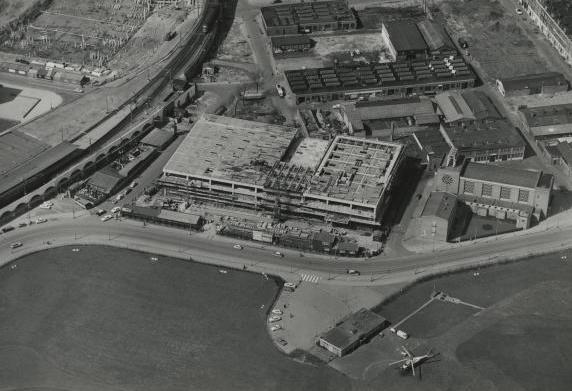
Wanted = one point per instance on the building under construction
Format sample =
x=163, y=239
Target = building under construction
x=249, y=164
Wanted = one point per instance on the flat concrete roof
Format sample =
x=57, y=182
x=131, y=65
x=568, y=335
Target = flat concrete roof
x=500, y=174
x=231, y=149
x=439, y=204
x=356, y=170
x=310, y=152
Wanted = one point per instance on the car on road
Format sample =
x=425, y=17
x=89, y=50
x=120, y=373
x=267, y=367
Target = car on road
x=278, y=254
x=41, y=220
x=115, y=209
x=463, y=43
x=7, y=229
x=133, y=184
x=22, y=224
x=275, y=327
x=100, y=212
x=78, y=90
x=353, y=272
x=275, y=318
x=237, y=247
x=106, y=217
x=519, y=11
x=16, y=245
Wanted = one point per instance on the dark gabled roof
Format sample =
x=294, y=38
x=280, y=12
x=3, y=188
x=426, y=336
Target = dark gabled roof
x=548, y=115
x=435, y=36
x=535, y=81
x=431, y=141
x=306, y=13
x=440, y=204
x=502, y=175
x=481, y=105
x=158, y=137
x=405, y=36
x=106, y=179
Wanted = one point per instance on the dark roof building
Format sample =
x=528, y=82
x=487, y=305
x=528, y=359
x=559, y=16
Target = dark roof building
x=159, y=138
x=404, y=78
x=437, y=39
x=481, y=105
x=433, y=146
x=295, y=18
x=291, y=43
x=484, y=141
x=504, y=175
x=352, y=331
x=438, y=213
x=546, y=122
x=404, y=41
x=541, y=83
x=468, y=105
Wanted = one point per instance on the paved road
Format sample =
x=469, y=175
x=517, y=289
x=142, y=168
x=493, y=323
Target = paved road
x=376, y=271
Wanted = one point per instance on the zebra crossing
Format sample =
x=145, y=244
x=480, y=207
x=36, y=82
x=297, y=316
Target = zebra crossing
x=310, y=278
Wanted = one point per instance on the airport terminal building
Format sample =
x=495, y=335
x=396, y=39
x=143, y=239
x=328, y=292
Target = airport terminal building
x=229, y=161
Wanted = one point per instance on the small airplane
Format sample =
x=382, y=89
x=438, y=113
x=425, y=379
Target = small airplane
x=410, y=361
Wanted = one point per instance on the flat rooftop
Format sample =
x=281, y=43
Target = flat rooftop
x=306, y=13
x=356, y=170
x=440, y=204
x=405, y=36
x=422, y=110
x=548, y=115
x=432, y=142
x=230, y=149
x=435, y=36
x=500, y=174
x=376, y=76
x=353, y=328
x=534, y=81
x=310, y=152
x=485, y=135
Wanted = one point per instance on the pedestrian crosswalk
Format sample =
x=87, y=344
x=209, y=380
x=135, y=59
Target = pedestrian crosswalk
x=310, y=278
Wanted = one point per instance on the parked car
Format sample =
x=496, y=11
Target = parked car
x=519, y=11
x=7, y=229
x=22, y=224
x=100, y=212
x=276, y=327
x=133, y=184
x=237, y=247
x=353, y=272
x=115, y=209
x=106, y=217
x=276, y=311
x=41, y=220
x=16, y=245
x=463, y=43
x=278, y=254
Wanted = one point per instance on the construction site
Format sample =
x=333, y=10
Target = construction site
x=269, y=167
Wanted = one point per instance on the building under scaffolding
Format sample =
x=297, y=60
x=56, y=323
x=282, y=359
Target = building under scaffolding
x=242, y=163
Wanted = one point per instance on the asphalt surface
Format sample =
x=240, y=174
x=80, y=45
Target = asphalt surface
x=133, y=234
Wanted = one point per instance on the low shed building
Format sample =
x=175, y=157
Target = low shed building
x=541, y=83
x=352, y=331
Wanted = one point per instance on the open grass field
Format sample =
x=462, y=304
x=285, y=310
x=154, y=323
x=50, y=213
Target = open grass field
x=107, y=319
x=520, y=341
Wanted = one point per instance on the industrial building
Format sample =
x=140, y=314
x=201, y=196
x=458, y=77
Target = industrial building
x=502, y=192
x=404, y=41
x=547, y=122
x=291, y=44
x=250, y=164
x=352, y=331
x=439, y=42
x=559, y=153
x=550, y=83
x=466, y=106
x=298, y=18
x=386, y=119
x=400, y=79
x=553, y=19
x=484, y=141
x=438, y=214
x=433, y=146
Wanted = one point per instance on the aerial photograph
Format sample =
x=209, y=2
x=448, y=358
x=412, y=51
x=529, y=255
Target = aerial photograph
x=268, y=195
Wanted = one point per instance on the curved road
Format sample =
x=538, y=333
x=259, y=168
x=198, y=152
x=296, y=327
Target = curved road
x=64, y=230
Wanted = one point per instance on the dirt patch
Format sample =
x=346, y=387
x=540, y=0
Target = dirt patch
x=236, y=47
x=256, y=110
x=356, y=44
x=493, y=36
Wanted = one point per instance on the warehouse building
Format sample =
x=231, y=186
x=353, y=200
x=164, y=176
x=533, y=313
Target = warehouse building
x=352, y=331
x=439, y=42
x=247, y=164
x=466, y=106
x=559, y=153
x=433, y=147
x=485, y=141
x=542, y=83
x=502, y=192
x=404, y=41
x=291, y=44
x=548, y=122
x=297, y=18
x=398, y=79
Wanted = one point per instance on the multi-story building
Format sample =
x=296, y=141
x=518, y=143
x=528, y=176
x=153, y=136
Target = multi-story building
x=547, y=122
x=553, y=19
x=502, y=192
x=482, y=141
x=260, y=166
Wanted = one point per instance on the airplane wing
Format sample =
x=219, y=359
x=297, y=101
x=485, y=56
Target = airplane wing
x=412, y=367
x=397, y=362
x=407, y=352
